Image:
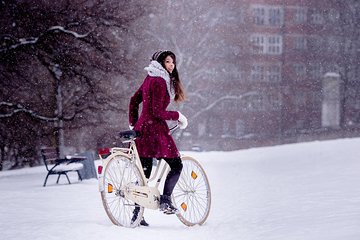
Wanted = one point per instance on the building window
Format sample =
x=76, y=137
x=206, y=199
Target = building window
x=259, y=15
x=334, y=15
x=274, y=45
x=275, y=16
x=317, y=44
x=255, y=103
x=317, y=16
x=232, y=71
x=267, y=44
x=275, y=101
x=299, y=69
x=238, y=16
x=257, y=72
x=258, y=43
x=274, y=73
x=268, y=15
x=333, y=44
x=226, y=127
x=300, y=43
x=316, y=70
x=300, y=15
x=271, y=73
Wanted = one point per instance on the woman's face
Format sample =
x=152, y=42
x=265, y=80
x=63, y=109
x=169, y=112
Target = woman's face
x=169, y=64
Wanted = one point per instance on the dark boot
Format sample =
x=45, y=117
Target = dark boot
x=135, y=215
x=166, y=205
x=143, y=222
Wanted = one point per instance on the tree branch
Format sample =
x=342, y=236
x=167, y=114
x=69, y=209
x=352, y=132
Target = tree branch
x=34, y=40
x=21, y=108
x=213, y=104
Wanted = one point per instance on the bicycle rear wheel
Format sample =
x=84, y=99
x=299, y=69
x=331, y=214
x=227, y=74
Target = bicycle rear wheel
x=192, y=194
x=119, y=173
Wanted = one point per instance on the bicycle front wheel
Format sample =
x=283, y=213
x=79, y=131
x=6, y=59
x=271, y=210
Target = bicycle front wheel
x=119, y=173
x=192, y=194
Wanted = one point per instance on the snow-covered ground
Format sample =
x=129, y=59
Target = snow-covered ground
x=291, y=192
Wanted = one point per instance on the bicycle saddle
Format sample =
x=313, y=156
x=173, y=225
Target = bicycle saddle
x=129, y=134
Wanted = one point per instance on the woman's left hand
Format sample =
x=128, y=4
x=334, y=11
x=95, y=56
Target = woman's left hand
x=183, y=122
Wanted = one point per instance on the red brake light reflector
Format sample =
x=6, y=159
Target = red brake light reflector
x=103, y=151
x=100, y=168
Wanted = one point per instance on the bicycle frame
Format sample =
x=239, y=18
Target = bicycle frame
x=125, y=190
x=146, y=196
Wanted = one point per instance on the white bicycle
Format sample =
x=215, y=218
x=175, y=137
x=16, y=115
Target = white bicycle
x=124, y=187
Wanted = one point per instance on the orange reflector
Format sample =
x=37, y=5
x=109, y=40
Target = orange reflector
x=193, y=175
x=110, y=188
x=184, y=206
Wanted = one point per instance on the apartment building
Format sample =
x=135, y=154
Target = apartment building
x=282, y=51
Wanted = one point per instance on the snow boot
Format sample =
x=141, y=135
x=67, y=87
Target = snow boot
x=135, y=215
x=166, y=205
x=143, y=223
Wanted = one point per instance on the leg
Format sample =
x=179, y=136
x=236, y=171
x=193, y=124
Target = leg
x=57, y=181
x=147, y=166
x=173, y=176
x=67, y=177
x=46, y=179
x=171, y=179
x=80, y=178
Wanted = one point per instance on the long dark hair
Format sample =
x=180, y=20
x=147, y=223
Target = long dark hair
x=174, y=76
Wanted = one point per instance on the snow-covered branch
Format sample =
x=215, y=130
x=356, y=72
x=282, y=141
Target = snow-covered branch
x=197, y=94
x=227, y=97
x=16, y=108
x=34, y=40
x=62, y=29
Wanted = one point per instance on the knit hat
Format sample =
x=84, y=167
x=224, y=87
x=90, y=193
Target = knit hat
x=156, y=55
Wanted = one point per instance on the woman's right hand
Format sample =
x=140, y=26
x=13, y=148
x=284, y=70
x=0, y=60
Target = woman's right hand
x=183, y=122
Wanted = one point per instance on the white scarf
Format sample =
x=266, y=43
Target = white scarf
x=156, y=70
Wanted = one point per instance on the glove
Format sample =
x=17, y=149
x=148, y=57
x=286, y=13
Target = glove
x=131, y=127
x=182, y=121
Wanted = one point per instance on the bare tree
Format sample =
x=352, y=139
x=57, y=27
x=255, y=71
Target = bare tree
x=350, y=68
x=57, y=64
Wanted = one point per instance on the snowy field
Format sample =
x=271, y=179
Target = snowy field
x=307, y=191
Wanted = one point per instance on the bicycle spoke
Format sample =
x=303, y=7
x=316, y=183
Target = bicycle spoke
x=120, y=172
x=192, y=193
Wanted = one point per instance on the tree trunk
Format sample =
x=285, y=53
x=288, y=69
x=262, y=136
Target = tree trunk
x=2, y=156
x=59, y=110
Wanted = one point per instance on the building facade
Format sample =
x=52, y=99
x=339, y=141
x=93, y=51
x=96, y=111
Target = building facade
x=281, y=52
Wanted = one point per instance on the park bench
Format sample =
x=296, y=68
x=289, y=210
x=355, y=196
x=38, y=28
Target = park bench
x=60, y=166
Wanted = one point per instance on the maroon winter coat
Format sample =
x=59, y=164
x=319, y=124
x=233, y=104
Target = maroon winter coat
x=155, y=140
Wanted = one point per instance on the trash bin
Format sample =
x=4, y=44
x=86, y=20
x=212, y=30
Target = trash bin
x=88, y=171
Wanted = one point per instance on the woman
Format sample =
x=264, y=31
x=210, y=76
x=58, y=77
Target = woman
x=160, y=86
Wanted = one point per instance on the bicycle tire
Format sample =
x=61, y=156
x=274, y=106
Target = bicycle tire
x=118, y=172
x=192, y=193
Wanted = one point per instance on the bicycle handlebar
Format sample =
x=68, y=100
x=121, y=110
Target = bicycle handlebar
x=132, y=134
x=174, y=128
